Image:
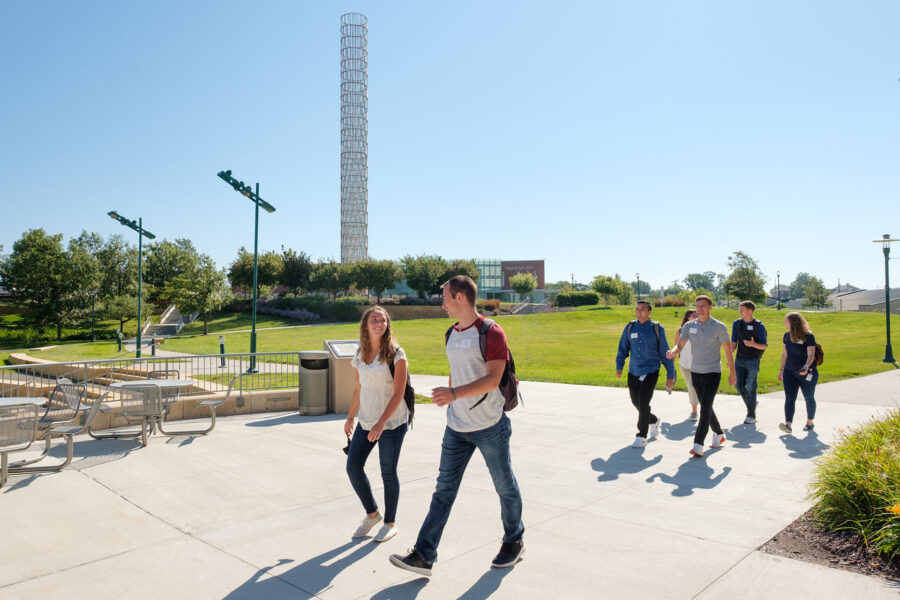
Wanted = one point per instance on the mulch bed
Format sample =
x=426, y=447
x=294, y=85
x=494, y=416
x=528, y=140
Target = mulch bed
x=804, y=540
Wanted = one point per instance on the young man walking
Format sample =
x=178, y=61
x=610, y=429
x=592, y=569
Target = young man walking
x=645, y=341
x=475, y=420
x=708, y=338
x=748, y=338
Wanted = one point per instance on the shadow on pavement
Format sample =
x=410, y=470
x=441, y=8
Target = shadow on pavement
x=296, y=419
x=487, y=584
x=691, y=475
x=678, y=431
x=626, y=460
x=745, y=435
x=402, y=591
x=808, y=447
x=312, y=576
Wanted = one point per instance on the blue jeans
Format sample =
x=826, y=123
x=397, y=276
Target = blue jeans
x=746, y=370
x=794, y=382
x=456, y=450
x=389, y=445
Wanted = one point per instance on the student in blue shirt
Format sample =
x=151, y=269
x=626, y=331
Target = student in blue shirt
x=647, y=351
x=748, y=339
x=798, y=370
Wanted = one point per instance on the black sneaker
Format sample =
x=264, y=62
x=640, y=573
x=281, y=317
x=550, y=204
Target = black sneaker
x=509, y=554
x=412, y=562
x=809, y=427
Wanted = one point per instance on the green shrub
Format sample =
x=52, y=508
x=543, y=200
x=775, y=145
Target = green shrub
x=345, y=309
x=577, y=298
x=857, y=485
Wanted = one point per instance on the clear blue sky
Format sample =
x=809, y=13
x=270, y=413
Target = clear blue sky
x=604, y=137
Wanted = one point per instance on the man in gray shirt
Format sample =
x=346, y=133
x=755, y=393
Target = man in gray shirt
x=708, y=337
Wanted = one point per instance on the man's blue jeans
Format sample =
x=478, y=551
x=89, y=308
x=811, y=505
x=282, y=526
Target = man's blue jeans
x=456, y=450
x=747, y=370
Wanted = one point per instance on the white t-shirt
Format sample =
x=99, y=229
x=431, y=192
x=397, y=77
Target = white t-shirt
x=376, y=389
x=467, y=365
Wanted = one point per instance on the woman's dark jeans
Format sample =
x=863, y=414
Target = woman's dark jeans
x=389, y=445
x=793, y=382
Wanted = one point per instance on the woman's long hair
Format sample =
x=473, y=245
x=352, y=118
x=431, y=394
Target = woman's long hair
x=687, y=316
x=798, y=327
x=388, y=347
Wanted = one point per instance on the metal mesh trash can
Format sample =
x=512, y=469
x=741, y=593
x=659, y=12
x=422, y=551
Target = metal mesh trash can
x=313, y=382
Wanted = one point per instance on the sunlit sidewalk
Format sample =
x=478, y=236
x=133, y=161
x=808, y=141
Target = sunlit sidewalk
x=262, y=508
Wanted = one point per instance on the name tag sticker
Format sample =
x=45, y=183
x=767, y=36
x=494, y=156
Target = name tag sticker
x=749, y=327
x=465, y=344
x=693, y=330
x=634, y=336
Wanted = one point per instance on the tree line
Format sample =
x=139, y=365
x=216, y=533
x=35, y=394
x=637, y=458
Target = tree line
x=61, y=282
x=745, y=281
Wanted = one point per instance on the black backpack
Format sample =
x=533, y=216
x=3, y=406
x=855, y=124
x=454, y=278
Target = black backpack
x=409, y=394
x=509, y=383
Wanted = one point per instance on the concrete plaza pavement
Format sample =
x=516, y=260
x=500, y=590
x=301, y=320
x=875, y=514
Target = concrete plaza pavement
x=262, y=508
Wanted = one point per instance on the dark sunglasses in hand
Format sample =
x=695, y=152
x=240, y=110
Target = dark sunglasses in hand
x=347, y=447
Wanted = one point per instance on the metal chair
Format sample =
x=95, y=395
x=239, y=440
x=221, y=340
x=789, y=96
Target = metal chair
x=63, y=406
x=168, y=397
x=18, y=426
x=141, y=405
x=66, y=431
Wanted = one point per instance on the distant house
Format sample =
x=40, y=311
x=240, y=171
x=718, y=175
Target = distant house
x=866, y=301
x=4, y=293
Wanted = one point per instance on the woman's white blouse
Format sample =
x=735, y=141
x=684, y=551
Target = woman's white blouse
x=376, y=389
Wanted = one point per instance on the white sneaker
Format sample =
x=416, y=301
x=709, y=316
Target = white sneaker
x=639, y=442
x=654, y=429
x=366, y=526
x=385, y=533
x=749, y=421
x=718, y=440
x=697, y=450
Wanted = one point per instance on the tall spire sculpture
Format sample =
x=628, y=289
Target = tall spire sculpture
x=354, y=139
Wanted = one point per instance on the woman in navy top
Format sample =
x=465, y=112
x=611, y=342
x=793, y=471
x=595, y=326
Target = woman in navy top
x=798, y=369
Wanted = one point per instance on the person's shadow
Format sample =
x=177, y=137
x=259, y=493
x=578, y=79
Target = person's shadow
x=486, y=585
x=626, y=460
x=678, y=431
x=746, y=435
x=691, y=475
x=402, y=591
x=808, y=447
x=312, y=576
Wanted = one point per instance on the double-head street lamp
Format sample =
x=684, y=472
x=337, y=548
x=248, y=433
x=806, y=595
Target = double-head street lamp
x=142, y=233
x=244, y=189
x=885, y=242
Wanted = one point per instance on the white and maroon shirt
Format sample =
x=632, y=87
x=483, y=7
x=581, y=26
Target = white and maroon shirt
x=468, y=365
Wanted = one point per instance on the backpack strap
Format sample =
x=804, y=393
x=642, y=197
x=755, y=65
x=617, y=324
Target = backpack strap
x=482, y=345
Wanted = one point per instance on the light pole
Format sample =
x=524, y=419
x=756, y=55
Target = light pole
x=638, y=275
x=244, y=189
x=885, y=242
x=778, y=287
x=141, y=234
x=93, y=303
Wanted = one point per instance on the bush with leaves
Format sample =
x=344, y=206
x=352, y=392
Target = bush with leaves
x=577, y=299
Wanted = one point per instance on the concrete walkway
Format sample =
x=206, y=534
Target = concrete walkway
x=262, y=508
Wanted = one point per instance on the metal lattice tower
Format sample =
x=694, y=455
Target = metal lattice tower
x=354, y=139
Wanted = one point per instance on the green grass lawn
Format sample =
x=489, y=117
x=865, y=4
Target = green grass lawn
x=568, y=347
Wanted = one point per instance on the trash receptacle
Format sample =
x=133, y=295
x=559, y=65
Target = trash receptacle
x=313, y=382
x=341, y=374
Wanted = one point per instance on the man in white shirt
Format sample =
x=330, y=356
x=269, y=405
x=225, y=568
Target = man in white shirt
x=475, y=420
